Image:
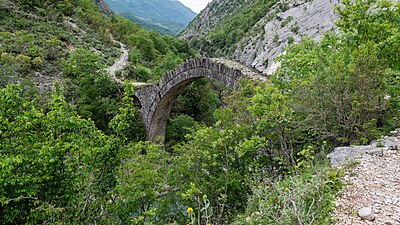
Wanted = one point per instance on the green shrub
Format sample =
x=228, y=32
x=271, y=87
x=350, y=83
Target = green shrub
x=276, y=38
x=80, y=63
x=304, y=198
x=295, y=28
x=37, y=62
x=290, y=40
x=286, y=21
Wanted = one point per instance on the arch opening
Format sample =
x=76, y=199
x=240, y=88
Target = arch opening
x=163, y=110
x=157, y=100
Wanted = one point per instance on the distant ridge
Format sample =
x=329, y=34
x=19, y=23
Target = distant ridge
x=159, y=15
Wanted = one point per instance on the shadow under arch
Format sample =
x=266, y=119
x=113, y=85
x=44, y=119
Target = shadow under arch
x=156, y=100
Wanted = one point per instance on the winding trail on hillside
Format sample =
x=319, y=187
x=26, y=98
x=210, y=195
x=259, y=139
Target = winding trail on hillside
x=120, y=63
x=375, y=183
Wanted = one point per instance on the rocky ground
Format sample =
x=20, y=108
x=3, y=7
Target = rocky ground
x=373, y=182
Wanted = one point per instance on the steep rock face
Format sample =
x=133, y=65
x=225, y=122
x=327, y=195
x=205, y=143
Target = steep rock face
x=309, y=19
x=103, y=7
x=217, y=11
x=286, y=21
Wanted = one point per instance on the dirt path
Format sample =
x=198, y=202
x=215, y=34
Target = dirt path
x=373, y=183
x=120, y=63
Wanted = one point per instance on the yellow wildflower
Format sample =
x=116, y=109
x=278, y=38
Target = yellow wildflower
x=189, y=210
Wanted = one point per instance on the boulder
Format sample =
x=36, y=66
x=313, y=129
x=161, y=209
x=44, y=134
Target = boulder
x=366, y=213
x=341, y=154
x=376, y=148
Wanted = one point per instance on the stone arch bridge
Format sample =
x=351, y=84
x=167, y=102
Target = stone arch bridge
x=156, y=100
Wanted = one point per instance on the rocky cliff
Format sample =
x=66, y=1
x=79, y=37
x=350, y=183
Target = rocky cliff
x=103, y=7
x=268, y=27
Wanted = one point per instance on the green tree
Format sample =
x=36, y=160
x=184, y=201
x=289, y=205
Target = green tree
x=80, y=63
x=199, y=100
x=97, y=93
x=177, y=128
x=142, y=186
x=55, y=166
x=143, y=42
x=126, y=124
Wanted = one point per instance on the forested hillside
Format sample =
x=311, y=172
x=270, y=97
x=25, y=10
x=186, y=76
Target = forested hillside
x=164, y=16
x=71, y=42
x=146, y=25
x=74, y=151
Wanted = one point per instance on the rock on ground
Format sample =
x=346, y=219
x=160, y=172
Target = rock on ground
x=374, y=182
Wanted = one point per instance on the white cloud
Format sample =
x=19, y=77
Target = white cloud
x=196, y=5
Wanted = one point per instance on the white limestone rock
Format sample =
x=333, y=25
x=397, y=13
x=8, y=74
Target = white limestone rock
x=366, y=213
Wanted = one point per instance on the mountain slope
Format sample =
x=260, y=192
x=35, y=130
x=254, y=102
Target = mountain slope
x=168, y=14
x=103, y=7
x=147, y=25
x=256, y=31
x=37, y=38
x=72, y=42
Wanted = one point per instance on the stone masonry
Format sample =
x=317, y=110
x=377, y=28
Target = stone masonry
x=156, y=100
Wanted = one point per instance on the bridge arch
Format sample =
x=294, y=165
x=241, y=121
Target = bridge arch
x=156, y=100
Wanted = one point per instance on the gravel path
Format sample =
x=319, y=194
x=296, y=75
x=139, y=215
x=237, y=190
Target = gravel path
x=120, y=63
x=374, y=183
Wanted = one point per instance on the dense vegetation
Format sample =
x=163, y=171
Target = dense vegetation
x=257, y=163
x=72, y=42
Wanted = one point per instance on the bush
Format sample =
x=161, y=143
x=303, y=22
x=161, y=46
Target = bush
x=177, y=128
x=81, y=62
x=304, y=198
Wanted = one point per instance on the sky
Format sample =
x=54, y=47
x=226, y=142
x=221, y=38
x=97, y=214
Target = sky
x=195, y=5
